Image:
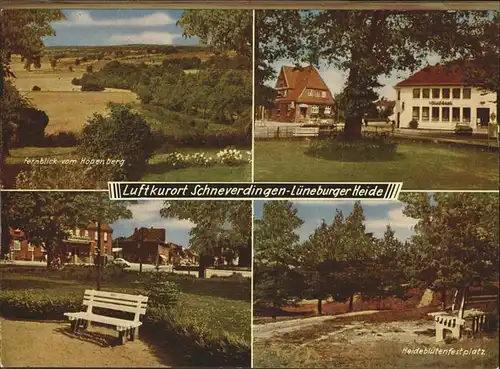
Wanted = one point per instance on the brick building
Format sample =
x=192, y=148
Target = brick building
x=301, y=94
x=79, y=247
x=149, y=246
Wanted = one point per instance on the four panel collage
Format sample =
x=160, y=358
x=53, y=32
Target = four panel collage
x=371, y=93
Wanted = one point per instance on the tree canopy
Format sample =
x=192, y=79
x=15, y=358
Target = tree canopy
x=368, y=44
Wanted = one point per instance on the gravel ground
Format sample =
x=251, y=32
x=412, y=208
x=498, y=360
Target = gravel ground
x=39, y=344
x=263, y=331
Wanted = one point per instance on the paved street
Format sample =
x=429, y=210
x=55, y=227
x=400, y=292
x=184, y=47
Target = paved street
x=150, y=268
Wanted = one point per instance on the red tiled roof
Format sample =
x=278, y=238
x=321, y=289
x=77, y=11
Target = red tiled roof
x=298, y=79
x=451, y=75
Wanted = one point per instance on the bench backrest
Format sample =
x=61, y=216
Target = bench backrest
x=135, y=304
x=472, y=297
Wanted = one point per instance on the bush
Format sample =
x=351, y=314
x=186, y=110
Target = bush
x=124, y=135
x=161, y=291
x=36, y=88
x=61, y=139
x=365, y=149
x=199, y=345
x=37, y=304
x=89, y=69
x=92, y=87
x=413, y=124
x=76, y=81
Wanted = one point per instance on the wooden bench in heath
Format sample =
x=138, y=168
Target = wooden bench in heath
x=456, y=321
x=135, y=304
x=306, y=132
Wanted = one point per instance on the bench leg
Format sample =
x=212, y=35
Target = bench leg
x=74, y=324
x=86, y=325
x=134, y=334
x=122, y=337
x=439, y=333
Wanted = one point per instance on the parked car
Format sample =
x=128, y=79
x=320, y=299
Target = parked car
x=122, y=262
x=463, y=129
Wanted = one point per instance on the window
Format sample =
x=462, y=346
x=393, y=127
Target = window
x=77, y=232
x=466, y=115
x=425, y=93
x=323, y=94
x=317, y=93
x=314, y=109
x=17, y=245
x=466, y=93
x=416, y=113
x=446, y=93
x=456, y=93
x=399, y=94
x=95, y=235
x=416, y=93
x=425, y=113
x=435, y=114
x=86, y=233
x=328, y=110
x=105, y=236
x=30, y=247
x=445, y=114
x=309, y=92
x=455, y=115
x=435, y=93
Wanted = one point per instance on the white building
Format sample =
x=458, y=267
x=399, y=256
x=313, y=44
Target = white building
x=437, y=98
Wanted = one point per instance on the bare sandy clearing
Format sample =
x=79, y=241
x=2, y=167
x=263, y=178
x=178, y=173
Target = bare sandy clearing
x=38, y=344
x=263, y=331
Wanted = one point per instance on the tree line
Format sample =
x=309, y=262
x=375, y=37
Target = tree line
x=454, y=246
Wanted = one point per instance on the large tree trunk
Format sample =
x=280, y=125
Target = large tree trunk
x=352, y=129
x=202, y=268
x=50, y=247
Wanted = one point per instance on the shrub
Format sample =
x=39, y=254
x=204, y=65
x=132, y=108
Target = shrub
x=77, y=61
x=92, y=87
x=123, y=134
x=36, y=88
x=161, y=291
x=76, y=81
x=365, y=149
x=61, y=139
x=37, y=304
x=89, y=69
x=198, y=344
x=413, y=124
x=70, y=69
x=30, y=127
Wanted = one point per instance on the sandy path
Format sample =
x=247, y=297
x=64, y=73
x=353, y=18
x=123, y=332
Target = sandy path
x=38, y=344
x=263, y=331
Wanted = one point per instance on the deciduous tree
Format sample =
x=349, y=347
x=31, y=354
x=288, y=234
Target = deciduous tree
x=216, y=223
x=456, y=239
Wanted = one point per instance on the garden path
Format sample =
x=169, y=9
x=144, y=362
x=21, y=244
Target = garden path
x=38, y=344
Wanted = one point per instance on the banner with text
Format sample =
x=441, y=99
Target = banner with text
x=249, y=191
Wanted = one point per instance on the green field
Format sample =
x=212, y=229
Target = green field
x=420, y=166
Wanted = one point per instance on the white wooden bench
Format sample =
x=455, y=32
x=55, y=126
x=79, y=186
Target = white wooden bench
x=306, y=132
x=456, y=321
x=135, y=304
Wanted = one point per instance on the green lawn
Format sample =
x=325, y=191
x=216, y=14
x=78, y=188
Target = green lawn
x=420, y=166
x=217, y=314
x=156, y=170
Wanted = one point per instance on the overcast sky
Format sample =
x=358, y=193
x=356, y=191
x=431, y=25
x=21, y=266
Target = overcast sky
x=118, y=27
x=378, y=215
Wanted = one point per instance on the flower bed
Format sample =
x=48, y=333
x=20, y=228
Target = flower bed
x=231, y=157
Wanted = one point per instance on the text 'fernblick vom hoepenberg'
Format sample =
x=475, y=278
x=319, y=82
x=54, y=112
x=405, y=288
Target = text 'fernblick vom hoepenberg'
x=249, y=191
